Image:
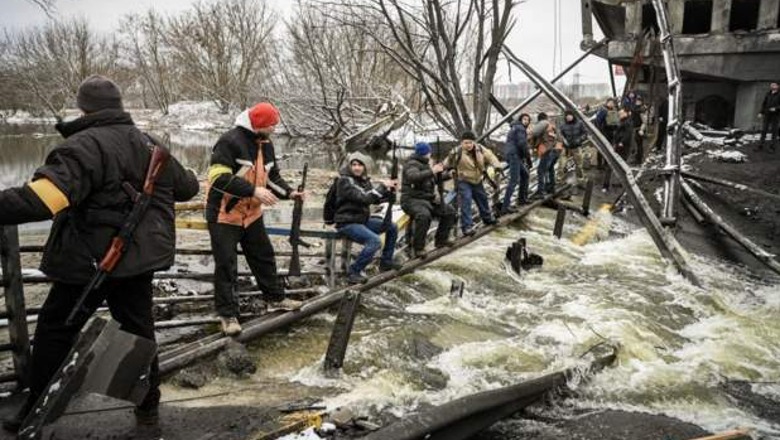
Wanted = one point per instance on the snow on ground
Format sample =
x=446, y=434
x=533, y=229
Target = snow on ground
x=186, y=115
x=194, y=115
x=730, y=156
x=424, y=129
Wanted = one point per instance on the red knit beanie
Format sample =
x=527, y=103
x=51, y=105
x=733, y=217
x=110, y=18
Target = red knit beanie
x=263, y=115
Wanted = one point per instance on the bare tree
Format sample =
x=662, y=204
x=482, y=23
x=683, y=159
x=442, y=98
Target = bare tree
x=222, y=48
x=150, y=57
x=48, y=6
x=50, y=62
x=10, y=92
x=450, y=47
x=337, y=71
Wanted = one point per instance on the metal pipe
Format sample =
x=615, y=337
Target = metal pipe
x=762, y=255
x=692, y=210
x=729, y=184
x=538, y=92
x=666, y=243
x=673, y=137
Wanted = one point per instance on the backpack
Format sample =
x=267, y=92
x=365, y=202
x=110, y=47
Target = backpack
x=612, y=118
x=329, y=208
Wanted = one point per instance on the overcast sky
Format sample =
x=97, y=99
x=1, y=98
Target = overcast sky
x=532, y=38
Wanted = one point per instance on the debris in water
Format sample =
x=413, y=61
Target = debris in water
x=456, y=289
x=519, y=257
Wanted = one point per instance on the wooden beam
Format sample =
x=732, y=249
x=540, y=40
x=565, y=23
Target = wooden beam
x=14, y=301
x=728, y=435
x=41, y=279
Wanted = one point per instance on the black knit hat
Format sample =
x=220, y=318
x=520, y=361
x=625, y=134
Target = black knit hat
x=468, y=135
x=98, y=93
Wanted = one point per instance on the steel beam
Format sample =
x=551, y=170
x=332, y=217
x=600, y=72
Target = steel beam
x=538, y=92
x=673, y=135
x=666, y=243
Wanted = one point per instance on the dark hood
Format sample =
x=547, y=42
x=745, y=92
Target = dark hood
x=98, y=119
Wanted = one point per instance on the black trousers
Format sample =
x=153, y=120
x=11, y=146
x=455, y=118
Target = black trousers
x=609, y=133
x=130, y=303
x=422, y=213
x=772, y=121
x=622, y=152
x=259, y=254
x=639, y=148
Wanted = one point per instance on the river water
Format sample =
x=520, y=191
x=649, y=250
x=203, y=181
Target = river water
x=414, y=345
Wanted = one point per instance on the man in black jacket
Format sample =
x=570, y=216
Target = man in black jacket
x=770, y=112
x=81, y=187
x=621, y=143
x=518, y=156
x=418, y=199
x=354, y=196
x=574, y=133
x=244, y=177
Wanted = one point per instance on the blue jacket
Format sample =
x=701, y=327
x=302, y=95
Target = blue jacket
x=516, y=141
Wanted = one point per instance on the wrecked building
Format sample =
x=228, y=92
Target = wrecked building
x=729, y=52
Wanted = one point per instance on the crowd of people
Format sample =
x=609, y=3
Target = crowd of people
x=83, y=188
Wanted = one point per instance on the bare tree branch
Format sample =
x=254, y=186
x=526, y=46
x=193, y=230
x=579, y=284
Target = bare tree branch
x=449, y=47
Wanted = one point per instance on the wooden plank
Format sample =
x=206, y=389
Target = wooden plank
x=587, y=197
x=728, y=435
x=39, y=279
x=342, y=330
x=190, y=206
x=191, y=251
x=200, y=298
x=560, y=218
x=14, y=301
x=182, y=251
x=330, y=261
x=200, y=224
